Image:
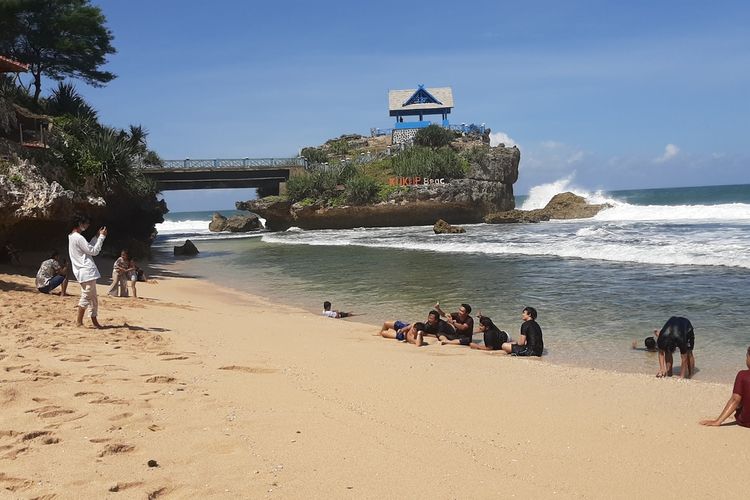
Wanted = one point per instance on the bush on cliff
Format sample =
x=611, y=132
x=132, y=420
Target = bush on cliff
x=361, y=190
x=426, y=162
x=314, y=155
x=434, y=136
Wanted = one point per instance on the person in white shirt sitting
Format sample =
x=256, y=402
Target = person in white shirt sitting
x=84, y=267
x=332, y=313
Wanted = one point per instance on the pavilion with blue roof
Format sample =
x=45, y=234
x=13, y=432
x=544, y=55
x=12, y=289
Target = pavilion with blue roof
x=420, y=102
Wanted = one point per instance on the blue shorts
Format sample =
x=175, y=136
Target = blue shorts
x=400, y=336
x=398, y=325
x=53, y=283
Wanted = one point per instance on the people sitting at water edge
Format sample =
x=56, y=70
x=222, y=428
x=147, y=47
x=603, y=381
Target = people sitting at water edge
x=494, y=338
x=677, y=332
x=530, y=341
x=52, y=273
x=462, y=323
x=331, y=313
x=739, y=403
x=396, y=329
x=122, y=271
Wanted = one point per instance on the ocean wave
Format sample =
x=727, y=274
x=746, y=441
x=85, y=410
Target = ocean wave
x=183, y=227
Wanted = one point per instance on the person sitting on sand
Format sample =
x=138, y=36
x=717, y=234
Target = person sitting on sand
x=530, y=342
x=462, y=323
x=328, y=312
x=739, y=403
x=84, y=267
x=676, y=332
x=395, y=330
x=121, y=272
x=52, y=273
x=494, y=338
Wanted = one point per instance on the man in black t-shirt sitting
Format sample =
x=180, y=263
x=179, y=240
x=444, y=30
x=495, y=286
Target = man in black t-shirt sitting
x=530, y=343
x=462, y=323
x=434, y=326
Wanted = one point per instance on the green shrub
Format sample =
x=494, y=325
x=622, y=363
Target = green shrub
x=426, y=162
x=361, y=189
x=434, y=137
x=314, y=155
x=476, y=154
x=338, y=147
x=317, y=185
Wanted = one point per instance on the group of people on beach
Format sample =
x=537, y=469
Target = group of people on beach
x=53, y=272
x=458, y=329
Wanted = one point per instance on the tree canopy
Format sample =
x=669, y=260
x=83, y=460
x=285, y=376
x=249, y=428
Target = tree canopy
x=57, y=38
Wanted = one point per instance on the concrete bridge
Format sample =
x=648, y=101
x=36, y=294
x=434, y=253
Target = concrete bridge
x=266, y=173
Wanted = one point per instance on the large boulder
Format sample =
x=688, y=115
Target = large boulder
x=516, y=216
x=188, y=248
x=442, y=227
x=218, y=223
x=242, y=223
x=571, y=206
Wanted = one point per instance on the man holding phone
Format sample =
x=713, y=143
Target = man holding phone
x=84, y=267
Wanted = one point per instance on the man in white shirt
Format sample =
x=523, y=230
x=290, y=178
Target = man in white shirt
x=84, y=268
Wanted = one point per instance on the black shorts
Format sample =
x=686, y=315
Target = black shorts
x=495, y=339
x=523, y=350
x=685, y=342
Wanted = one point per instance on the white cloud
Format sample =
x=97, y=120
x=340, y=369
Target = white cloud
x=576, y=157
x=552, y=144
x=670, y=151
x=502, y=138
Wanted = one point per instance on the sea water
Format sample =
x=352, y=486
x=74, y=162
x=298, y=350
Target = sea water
x=599, y=284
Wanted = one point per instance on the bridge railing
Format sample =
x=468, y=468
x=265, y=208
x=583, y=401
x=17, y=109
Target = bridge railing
x=218, y=163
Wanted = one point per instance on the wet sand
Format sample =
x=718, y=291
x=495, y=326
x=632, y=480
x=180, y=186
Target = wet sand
x=236, y=397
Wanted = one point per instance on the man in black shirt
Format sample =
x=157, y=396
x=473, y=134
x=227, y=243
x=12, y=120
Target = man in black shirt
x=433, y=326
x=677, y=332
x=530, y=343
x=462, y=323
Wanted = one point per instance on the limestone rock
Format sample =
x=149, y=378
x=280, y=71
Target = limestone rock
x=242, y=223
x=516, y=216
x=188, y=248
x=571, y=206
x=218, y=223
x=442, y=227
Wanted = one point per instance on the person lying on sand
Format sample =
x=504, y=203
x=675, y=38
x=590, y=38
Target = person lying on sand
x=494, y=338
x=52, y=273
x=739, y=403
x=462, y=323
x=677, y=332
x=394, y=330
x=433, y=326
x=530, y=342
x=328, y=312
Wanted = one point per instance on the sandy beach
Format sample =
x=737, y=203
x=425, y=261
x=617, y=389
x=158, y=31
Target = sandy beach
x=236, y=397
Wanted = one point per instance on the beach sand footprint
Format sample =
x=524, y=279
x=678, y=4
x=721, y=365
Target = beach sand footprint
x=14, y=484
x=125, y=486
x=249, y=369
x=116, y=449
x=160, y=379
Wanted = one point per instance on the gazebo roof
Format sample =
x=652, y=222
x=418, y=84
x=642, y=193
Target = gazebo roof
x=8, y=65
x=420, y=99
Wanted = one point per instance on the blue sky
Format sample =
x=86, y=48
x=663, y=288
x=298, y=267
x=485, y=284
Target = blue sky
x=615, y=94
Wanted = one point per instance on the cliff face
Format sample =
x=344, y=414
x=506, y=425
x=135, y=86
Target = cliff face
x=35, y=212
x=487, y=188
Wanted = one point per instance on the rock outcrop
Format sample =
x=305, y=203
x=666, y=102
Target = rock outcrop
x=442, y=227
x=35, y=212
x=235, y=223
x=561, y=206
x=487, y=188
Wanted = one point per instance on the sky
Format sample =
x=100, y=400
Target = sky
x=614, y=95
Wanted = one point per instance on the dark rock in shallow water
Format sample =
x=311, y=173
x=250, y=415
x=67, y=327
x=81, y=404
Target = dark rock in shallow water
x=187, y=249
x=516, y=216
x=442, y=227
x=242, y=223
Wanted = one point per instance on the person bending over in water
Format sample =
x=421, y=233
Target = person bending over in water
x=677, y=332
x=739, y=403
x=462, y=323
x=494, y=338
x=530, y=342
x=333, y=313
x=394, y=330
